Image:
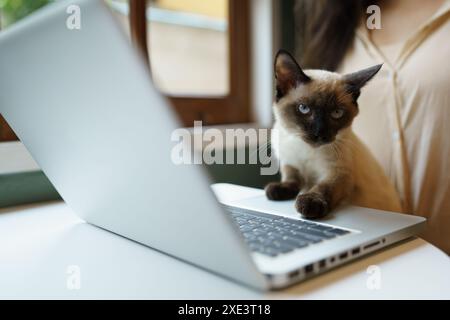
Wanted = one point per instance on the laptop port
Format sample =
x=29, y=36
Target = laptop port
x=322, y=264
x=343, y=255
x=356, y=251
x=309, y=268
x=370, y=245
x=294, y=274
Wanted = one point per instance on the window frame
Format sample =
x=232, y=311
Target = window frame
x=6, y=133
x=212, y=110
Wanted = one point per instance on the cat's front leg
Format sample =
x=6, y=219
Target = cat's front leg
x=289, y=187
x=324, y=197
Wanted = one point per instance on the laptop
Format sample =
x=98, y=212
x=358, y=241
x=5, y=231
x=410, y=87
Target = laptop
x=83, y=103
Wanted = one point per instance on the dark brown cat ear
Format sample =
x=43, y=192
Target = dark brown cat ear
x=288, y=73
x=356, y=80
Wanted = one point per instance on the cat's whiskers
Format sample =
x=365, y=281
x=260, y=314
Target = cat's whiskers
x=337, y=150
x=340, y=147
x=348, y=143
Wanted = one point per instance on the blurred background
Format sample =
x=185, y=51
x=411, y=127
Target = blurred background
x=212, y=59
x=188, y=39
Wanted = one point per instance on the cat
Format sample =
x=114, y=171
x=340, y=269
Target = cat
x=323, y=163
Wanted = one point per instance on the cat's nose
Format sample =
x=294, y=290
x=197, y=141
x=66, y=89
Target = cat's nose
x=321, y=137
x=318, y=135
x=318, y=131
x=326, y=139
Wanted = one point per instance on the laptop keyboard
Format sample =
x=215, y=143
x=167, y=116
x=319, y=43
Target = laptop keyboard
x=274, y=235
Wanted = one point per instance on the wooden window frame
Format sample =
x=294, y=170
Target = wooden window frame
x=212, y=110
x=6, y=133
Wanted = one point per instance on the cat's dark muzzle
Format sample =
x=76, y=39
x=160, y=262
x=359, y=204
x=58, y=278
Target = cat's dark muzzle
x=317, y=141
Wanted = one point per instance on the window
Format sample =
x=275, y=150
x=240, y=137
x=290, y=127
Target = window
x=189, y=41
x=198, y=52
x=189, y=46
x=199, y=55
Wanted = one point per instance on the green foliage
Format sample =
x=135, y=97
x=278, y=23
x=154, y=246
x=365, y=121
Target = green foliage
x=13, y=10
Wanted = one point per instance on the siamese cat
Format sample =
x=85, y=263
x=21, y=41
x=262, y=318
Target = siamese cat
x=323, y=163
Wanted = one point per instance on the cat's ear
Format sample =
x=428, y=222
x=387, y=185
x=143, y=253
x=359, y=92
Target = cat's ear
x=288, y=73
x=356, y=80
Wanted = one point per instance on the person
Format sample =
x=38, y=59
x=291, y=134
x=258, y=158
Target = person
x=404, y=114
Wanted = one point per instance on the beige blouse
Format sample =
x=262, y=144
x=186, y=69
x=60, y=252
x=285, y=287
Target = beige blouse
x=405, y=117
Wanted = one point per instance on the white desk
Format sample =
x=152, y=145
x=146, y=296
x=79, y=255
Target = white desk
x=39, y=242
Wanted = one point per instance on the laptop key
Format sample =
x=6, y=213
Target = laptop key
x=270, y=252
x=318, y=233
x=297, y=243
x=321, y=227
x=282, y=248
x=245, y=228
x=241, y=221
x=338, y=231
x=306, y=237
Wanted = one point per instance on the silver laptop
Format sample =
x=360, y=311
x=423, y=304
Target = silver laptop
x=84, y=105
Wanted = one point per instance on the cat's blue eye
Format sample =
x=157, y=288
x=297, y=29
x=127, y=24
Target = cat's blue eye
x=304, y=109
x=337, y=113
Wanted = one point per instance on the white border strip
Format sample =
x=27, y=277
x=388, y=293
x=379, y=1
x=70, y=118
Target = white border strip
x=14, y=158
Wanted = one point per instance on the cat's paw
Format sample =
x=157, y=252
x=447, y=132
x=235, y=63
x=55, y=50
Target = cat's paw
x=311, y=205
x=282, y=190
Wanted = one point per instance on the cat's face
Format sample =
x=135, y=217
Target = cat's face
x=316, y=105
